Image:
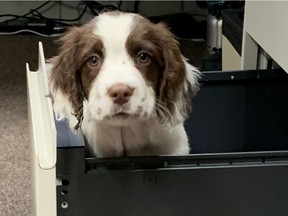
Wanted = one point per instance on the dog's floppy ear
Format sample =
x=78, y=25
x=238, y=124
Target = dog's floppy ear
x=179, y=79
x=65, y=86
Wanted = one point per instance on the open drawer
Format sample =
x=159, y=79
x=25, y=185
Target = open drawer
x=238, y=163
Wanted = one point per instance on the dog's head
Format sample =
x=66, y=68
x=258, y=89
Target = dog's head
x=123, y=67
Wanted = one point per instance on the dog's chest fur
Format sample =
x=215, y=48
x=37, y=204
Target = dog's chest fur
x=138, y=138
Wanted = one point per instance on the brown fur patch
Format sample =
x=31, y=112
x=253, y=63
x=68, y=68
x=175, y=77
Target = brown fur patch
x=167, y=72
x=70, y=72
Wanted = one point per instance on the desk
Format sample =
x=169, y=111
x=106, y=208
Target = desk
x=265, y=34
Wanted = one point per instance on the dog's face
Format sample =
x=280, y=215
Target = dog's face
x=125, y=68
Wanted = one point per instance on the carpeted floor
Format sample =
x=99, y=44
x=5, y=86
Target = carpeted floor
x=15, y=51
x=14, y=152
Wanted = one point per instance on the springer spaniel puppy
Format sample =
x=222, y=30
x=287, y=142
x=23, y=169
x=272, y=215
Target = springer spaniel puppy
x=123, y=82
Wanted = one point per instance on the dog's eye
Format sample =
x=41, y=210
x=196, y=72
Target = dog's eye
x=143, y=57
x=94, y=61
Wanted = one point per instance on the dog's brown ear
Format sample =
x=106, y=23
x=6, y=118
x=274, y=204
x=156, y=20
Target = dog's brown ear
x=179, y=82
x=63, y=76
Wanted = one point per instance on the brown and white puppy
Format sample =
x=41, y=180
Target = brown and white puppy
x=123, y=81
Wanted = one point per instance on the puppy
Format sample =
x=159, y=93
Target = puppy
x=123, y=82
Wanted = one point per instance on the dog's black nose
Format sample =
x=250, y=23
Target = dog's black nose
x=120, y=93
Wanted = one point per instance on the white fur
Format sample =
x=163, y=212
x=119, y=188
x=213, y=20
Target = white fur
x=135, y=139
x=143, y=135
x=192, y=75
x=118, y=67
